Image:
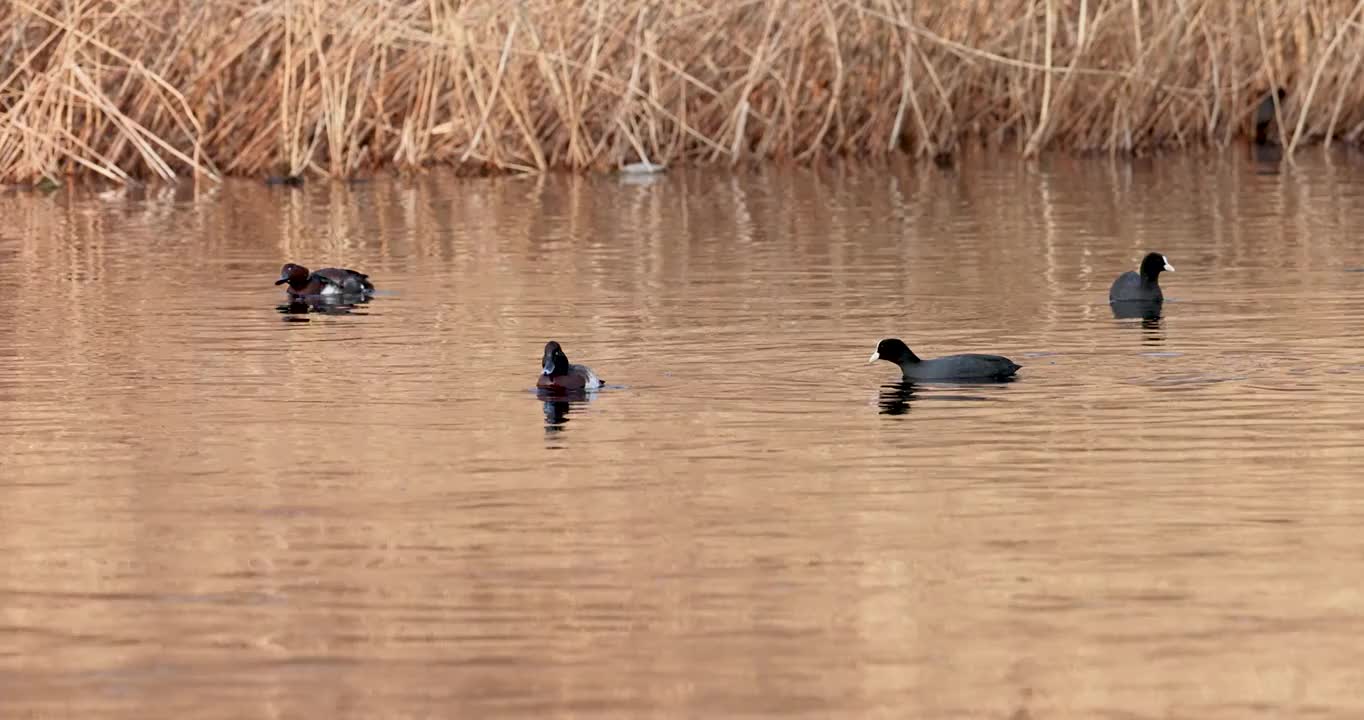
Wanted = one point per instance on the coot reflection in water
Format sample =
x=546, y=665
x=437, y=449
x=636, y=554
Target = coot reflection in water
x=1145, y=310
x=895, y=398
x=1266, y=159
x=1151, y=322
x=1152, y=331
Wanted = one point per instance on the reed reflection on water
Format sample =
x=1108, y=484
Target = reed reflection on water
x=372, y=513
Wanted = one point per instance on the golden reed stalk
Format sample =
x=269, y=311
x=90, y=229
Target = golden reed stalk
x=164, y=88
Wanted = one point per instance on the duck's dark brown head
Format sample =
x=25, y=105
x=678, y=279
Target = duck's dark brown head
x=555, y=362
x=296, y=275
x=893, y=350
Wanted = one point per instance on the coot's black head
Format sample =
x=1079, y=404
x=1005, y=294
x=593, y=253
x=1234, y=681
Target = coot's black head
x=1153, y=264
x=1265, y=111
x=893, y=350
x=296, y=275
x=555, y=362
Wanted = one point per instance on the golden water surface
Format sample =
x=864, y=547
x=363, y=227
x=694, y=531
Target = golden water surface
x=212, y=508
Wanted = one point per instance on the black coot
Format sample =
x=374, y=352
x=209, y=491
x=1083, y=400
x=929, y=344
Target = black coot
x=951, y=367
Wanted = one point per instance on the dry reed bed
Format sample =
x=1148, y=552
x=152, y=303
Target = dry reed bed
x=136, y=88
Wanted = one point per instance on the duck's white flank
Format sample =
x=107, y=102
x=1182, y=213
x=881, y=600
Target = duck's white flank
x=592, y=380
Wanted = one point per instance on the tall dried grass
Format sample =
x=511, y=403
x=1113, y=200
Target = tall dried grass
x=135, y=88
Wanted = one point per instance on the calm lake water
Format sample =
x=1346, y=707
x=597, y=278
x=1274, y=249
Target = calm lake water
x=210, y=508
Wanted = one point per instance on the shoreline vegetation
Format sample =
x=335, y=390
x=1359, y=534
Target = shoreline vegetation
x=144, y=89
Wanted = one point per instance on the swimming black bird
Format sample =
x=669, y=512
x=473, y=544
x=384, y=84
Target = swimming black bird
x=1264, y=114
x=1141, y=286
x=951, y=367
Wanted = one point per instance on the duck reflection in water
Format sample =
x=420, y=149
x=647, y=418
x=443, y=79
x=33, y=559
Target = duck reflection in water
x=325, y=305
x=558, y=404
